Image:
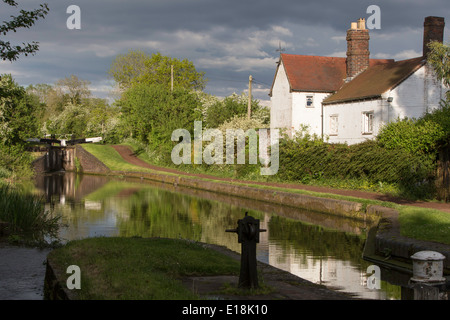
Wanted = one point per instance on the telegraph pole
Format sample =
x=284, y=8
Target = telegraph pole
x=171, y=78
x=249, y=108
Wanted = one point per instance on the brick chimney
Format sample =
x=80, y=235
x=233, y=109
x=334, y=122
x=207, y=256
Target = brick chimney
x=433, y=30
x=357, y=49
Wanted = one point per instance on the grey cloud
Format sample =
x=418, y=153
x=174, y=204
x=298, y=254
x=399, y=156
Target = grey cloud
x=218, y=32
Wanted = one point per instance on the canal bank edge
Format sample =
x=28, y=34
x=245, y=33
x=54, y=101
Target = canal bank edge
x=285, y=286
x=384, y=244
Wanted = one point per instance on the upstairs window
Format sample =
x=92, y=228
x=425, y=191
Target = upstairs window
x=310, y=101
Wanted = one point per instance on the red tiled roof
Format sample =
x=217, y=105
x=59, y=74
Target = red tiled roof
x=376, y=80
x=317, y=74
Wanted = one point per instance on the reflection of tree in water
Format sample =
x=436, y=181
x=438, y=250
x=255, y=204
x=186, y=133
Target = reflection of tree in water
x=296, y=236
x=160, y=213
x=156, y=213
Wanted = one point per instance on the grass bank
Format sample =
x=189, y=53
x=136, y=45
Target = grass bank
x=418, y=223
x=139, y=268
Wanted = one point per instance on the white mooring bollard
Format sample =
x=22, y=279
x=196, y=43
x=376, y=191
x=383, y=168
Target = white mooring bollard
x=427, y=279
x=428, y=267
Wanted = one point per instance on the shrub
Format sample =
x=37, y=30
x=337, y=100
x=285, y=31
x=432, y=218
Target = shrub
x=15, y=162
x=303, y=160
x=414, y=136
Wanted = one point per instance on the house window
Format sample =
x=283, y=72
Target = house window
x=310, y=101
x=334, y=125
x=367, y=122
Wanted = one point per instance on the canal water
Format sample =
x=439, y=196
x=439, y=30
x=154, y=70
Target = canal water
x=321, y=248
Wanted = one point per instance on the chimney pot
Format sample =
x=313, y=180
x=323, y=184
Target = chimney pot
x=361, y=24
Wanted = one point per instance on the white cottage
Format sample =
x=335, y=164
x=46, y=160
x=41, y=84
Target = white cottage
x=349, y=99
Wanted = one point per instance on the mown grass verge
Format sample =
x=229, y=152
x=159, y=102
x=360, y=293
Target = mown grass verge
x=425, y=224
x=139, y=268
x=111, y=158
x=412, y=219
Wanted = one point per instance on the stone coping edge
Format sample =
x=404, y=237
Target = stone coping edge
x=344, y=208
x=385, y=242
x=388, y=239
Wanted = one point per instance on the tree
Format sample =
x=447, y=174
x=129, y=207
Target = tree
x=26, y=19
x=18, y=112
x=40, y=90
x=152, y=112
x=77, y=90
x=138, y=67
x=71, y=121
x=103, y=119
x=439, y=58
x=225, y=110
x=55, y=98
x=125, y=69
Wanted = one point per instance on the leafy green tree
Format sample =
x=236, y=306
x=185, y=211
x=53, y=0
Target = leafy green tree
x=126, y=68
x=71, y=121
x=18, y=113
x=138, y=67
x=40, y=91
x=103, y=120
x=19, y=119
x=439, y=58
x=26, y=19
x=150, y=113
x=234, y=105
x=76, y=90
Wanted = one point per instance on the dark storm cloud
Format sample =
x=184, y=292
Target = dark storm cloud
x=227, y=39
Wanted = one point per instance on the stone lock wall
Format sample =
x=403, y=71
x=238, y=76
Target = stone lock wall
x=56, y=159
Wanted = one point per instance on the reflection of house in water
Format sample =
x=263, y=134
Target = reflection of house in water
x=337, y=274
x=317, y=255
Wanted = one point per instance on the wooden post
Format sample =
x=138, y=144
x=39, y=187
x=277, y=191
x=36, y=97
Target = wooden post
x=249, y=108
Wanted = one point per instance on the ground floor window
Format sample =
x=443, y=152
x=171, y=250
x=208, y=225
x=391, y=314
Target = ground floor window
x=334, y=124
x=367, y=122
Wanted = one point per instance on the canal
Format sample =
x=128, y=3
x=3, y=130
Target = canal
x=321, y=248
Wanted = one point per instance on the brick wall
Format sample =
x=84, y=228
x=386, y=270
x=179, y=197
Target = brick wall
x=433, y=30
x=357, y=51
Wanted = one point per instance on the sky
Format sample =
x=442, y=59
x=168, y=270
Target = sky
x=228, y=40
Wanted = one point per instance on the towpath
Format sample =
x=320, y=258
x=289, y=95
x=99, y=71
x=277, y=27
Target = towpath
x=130, y=157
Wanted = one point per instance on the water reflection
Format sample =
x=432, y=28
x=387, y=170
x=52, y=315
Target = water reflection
x=317, y=247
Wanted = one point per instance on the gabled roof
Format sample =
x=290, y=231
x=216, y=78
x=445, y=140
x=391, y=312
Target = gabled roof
x=376, y=80
x=316, y=73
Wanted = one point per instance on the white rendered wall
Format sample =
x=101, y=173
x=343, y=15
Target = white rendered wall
x=281, y=102
x=309, y=116
x=350, y=121
x=418, y=94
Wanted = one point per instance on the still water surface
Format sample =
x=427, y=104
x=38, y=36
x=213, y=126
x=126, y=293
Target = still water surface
x=318, y=247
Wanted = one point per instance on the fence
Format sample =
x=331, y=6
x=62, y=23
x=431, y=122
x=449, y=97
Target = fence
x=443, y=174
